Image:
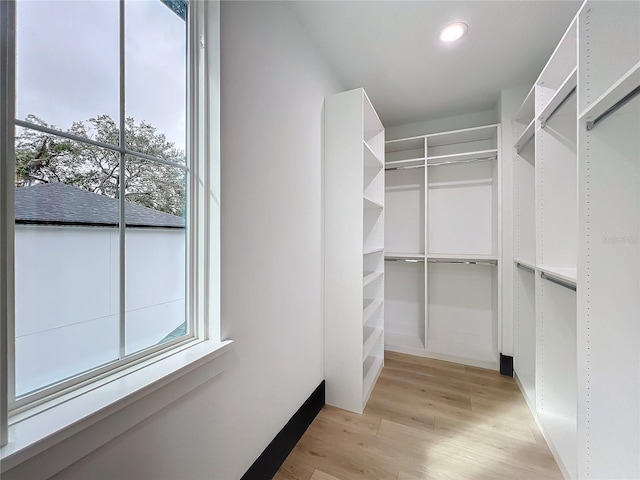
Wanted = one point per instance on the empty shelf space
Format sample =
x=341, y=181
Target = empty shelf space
x=371, y=250
x=567, y=89
x=371, y=368
x=371, y=160
x=525, y=138
x=369, y=308
x=370, y=336
x=372, y=204
x=403, y=343
x=371, y=277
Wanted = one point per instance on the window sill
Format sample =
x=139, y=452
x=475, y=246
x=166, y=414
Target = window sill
x=122, y=402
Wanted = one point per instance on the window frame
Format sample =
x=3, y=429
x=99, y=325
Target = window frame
x=202, y=215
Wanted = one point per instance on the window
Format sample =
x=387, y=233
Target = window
x=108, y=188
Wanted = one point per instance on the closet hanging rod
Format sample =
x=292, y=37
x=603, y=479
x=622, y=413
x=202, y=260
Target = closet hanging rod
x=405, y=168
x=543, y=123
x=407, y=260
x=481, y=159
x=526, y=268
x=616, y=106
x=464, y=262
x=558, y=281
x=525, y=143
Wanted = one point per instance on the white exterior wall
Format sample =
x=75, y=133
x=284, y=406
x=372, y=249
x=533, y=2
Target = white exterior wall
x=273, y=88
x=67, y=297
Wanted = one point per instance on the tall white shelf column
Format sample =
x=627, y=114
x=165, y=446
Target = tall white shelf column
x=354, y=246
x=609, y=252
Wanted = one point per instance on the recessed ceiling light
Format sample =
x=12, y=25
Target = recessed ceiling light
x=452, y=32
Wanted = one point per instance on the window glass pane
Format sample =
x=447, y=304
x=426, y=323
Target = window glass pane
x=66, y=259
x=155, y=254
x=67, y=66
x=155, y=66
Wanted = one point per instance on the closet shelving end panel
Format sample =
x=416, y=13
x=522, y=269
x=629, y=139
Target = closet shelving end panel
x=609, y=257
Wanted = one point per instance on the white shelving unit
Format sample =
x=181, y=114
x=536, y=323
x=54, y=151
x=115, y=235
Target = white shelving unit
x=576, y=307
x=441, y=238
x=354, y=249
x=609, y=257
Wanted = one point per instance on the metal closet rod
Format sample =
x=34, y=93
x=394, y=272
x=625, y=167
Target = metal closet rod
x=525, y=267
x=407, y=260
x=405, y=168
x=616, y=106
x=558, y=281
x=464, y=262
x=479, y=159
x=525, y=143
x=544, y=122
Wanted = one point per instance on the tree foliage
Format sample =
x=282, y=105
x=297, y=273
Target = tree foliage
x=46, y=158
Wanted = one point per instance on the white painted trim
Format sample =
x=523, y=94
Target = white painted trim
x=92, y=419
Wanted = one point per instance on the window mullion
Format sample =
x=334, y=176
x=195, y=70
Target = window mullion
x=7, y=133
x=122, y=185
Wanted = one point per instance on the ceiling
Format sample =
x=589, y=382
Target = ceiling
x=391, y=49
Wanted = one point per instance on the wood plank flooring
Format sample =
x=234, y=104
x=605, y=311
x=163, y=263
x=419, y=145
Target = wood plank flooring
x=427, y=419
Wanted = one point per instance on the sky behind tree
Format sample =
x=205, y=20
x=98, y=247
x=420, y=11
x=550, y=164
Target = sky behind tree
x=68, y=63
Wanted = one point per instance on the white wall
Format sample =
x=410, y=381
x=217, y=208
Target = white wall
x=67, y=297
x=273, y=86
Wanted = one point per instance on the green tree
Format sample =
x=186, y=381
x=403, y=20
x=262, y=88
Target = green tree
x=46, y=158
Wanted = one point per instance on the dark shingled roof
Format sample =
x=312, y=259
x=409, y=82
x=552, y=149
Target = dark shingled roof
x=60, y=204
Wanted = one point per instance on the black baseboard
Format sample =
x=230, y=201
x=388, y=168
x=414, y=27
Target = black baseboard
x=506, y=365
x=268, y=463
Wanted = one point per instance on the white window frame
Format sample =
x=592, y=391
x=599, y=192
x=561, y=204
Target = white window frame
x=33, y=428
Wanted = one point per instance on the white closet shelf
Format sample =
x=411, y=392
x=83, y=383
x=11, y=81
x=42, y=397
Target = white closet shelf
x=371, y=160
x=463, y=157
x=370, y=307
x=371, y=277
x=409, y=143
x=526, y=136
x=561, y=273
x=628, y=82
x=370, y=335
x=439, y=257
x=370, y=250
x=526, y=263
x=526, y=112
x=486, y=132
x=372, y=204
x=401, y=343
x=403, y=256
x=371, y=368
x=567, y=88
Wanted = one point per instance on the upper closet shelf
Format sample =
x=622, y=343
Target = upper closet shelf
x=371, y=204
x=410, y=143
x=527, y=110
x=404, y=257
x=526, y=137
x=480, y=155
x=371, y=160
x=461, y=136
x=562, y=95
x=615, y=97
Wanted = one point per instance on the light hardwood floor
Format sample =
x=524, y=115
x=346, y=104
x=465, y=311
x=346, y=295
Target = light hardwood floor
x=426, y=419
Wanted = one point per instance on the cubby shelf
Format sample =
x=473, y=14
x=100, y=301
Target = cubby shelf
x=372, y=204
x=371, y=277
x=371, y=336
x=371, y=160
